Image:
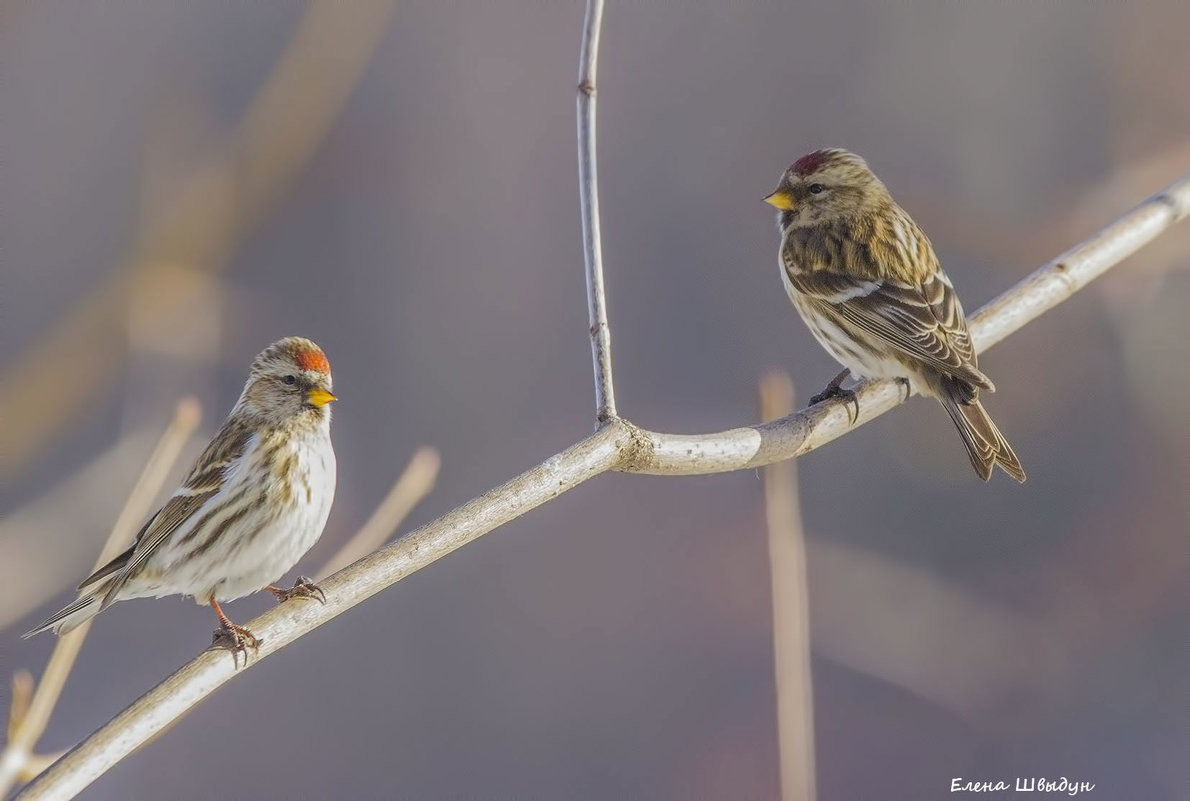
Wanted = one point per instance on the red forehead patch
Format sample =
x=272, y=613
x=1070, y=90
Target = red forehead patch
x=810, y=163
x=312, y=359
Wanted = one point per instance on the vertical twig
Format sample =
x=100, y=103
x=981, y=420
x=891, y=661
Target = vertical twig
x=791, y=606
x=601, y=336
x=27, y=726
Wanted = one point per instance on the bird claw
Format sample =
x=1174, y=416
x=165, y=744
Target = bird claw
x=833, y=390
x=302, y=588
x=236, y=639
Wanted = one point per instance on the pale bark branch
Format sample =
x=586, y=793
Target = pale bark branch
x=617, y=445
x=285, y=622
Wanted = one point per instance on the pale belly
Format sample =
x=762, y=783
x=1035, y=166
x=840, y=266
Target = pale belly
x=258, y=561
x=252, y=551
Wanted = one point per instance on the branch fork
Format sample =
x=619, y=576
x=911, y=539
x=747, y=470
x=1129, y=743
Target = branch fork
x=616, y=445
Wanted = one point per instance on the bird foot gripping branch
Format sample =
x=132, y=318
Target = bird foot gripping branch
x=835, y=390
x=303, y=588
x=230, y=637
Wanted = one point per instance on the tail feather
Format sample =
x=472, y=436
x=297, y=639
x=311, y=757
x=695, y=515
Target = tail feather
x=89, y=604
x=86, y=607
x=985, y=444
x=114, y=566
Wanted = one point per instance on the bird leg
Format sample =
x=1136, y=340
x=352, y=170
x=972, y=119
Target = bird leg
x=835, y=390
x=231, y=637
x=302, y=588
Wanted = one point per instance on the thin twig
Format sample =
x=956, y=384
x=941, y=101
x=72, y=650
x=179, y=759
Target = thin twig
x=620, y=446
x=791, y=607
x=25, y=728
x=414, y=483
x=601, y=335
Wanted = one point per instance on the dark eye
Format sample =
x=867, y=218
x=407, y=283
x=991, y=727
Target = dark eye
x=290, y=379
x=817, y=189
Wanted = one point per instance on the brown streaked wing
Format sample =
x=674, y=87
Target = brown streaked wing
x=924, y=321
x=175, y=512
x=204, y=482
x=222, y=451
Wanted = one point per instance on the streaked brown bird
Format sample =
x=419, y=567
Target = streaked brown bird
x=866, y=281
x=255, y=501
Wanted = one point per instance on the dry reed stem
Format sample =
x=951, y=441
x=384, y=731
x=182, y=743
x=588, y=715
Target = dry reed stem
x=286, y=122
x=415, y=482
x=26, y=725
x=791, y=606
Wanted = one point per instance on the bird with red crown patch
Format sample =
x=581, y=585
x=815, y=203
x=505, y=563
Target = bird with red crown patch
x=255, y=501
x=866, y=281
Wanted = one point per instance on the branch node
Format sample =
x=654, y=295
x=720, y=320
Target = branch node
x=1167, y=199
x=637, y=449
x=586, y=87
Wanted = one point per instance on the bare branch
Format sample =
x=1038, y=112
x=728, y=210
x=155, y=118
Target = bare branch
x=791, y=607
x=284, y=623
x=617, y=446
x=601, y=335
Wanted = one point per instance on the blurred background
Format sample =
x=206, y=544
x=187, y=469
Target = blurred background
x=185, y=182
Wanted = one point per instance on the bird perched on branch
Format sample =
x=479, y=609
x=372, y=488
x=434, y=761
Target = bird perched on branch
x=866, y=281
x=255, y=501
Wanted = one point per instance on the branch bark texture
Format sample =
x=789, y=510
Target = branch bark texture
x=616, y=445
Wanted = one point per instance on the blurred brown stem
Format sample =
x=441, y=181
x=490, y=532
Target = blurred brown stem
x=29, y=715
x=791, y=606
x=414, y=483
x=208, y=215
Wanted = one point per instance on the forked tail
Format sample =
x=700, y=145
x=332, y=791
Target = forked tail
x=985, y=444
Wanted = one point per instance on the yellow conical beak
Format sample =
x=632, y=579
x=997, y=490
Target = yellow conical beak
x=781, y=200
x=319, y=397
